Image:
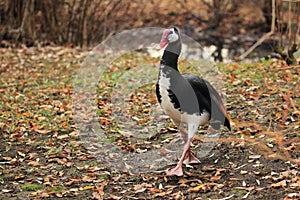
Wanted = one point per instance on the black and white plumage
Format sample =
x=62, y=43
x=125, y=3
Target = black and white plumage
x=186, y=98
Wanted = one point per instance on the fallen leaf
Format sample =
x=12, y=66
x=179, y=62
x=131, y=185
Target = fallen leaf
x=202, y=187
x=34, y=163
x=97, y=196
x=243, y=172
x=88, y=187
x=61, y=137
x=208, y=168
x=44, y=131
x=21, y=153
x=215, y=178
x=154, y=190
x=112, y=196
x=254, y=156
x=229, y=197
x=6, y=191
x=7, y=158
x=140, y=190
x=292, y=196
x=19, y=177
x=219, y=170
x=88, y=178
x=278, y=185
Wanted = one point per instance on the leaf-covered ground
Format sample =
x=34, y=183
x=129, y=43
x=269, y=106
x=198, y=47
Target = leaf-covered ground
x=42, y=155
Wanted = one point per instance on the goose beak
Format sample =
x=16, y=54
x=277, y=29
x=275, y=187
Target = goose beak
x=164, y=39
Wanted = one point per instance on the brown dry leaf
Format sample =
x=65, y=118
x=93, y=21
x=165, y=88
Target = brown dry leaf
x=89, y=178
x=198, y=188
x=74, y=190
x=292, y=147
x=74, y=134
x=183, y=181
x=19, y=177
x=243, y=172
x=206, y=187
x=61, y=137
x=21, y=153
x=43, y=131
x=60, y=161
x=219, y=170
x=285, y=174
x=177, y=195
x=141, y=190
x=7, y=158
x=112, y=196
x=47, y=178
x=154, y=190
x=142, y=187
x=97, y=196
x=34, y=163
x=61, y=173
x=292, y=196
x=254, y=156
x=208, y=168
x=59, y=195
x=69, y=164
x=44, y=194
x=162, y=194
x=295, y=183
x=100, y=189
x=93, y=169
x=278, y=185
x=73, y=181
x=80, y=168
x=215, y=178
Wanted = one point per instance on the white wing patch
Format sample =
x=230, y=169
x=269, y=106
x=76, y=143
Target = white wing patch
x=166, y=104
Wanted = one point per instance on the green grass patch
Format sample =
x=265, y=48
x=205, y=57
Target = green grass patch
x=240, y=191
x=54, y=150
x=57, y=188
x=31, y=187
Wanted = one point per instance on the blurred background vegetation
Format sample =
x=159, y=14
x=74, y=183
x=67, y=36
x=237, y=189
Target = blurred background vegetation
x=223, y=23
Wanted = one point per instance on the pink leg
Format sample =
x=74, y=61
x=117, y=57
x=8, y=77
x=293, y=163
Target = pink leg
x=178, y=169
x=183, y=134
x=189, y=158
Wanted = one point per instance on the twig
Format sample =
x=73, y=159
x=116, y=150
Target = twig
x=263, y=38
x=285, y=68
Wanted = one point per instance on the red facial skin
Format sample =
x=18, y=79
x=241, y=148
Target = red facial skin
x=164, y=39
